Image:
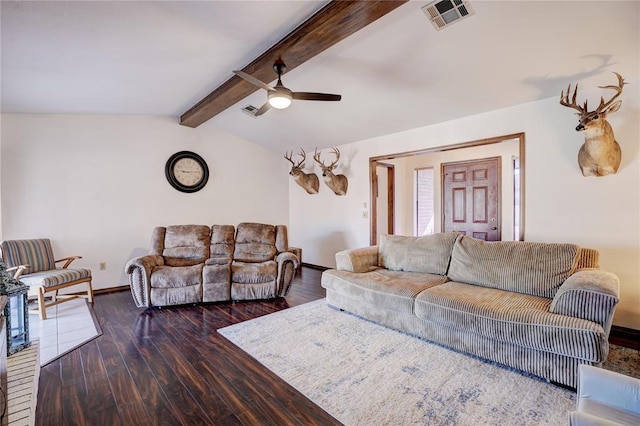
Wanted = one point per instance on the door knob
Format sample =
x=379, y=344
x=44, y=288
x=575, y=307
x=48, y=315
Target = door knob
x=493, y=228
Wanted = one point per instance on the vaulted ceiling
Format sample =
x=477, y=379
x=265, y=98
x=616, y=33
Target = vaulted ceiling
x=397, y=73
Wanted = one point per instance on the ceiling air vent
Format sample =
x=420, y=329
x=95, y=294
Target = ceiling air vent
x=446, y=12
x=251, y=110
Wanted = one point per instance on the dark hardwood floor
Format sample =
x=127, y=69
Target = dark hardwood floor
x=170, y=366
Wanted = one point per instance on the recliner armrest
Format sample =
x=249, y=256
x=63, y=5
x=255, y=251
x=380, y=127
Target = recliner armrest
x=139, y=270
x=288, y=257
x=590, y=294
x=362, y=259
x=288, y=264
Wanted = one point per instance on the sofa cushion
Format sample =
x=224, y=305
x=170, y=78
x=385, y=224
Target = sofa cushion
x=428, y=253
x=176, y=276
x=252, y=273
x=393, y=290
x=255, y=242
x=37, y=253
x=55, y=277
x=186, y=245
x=519, y=319
x=537, y=269
x=222, y=239
x=216, y=283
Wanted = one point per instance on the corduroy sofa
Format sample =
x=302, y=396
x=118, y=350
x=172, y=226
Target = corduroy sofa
x=197, y=263
x=541, y=308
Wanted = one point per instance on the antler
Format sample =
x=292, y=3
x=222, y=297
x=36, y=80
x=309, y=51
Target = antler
x=337, y=154
x=331, y=166
x=564, y=100
x=618, y=90
x=303, y=155
x=316, y=157
x=288, y=156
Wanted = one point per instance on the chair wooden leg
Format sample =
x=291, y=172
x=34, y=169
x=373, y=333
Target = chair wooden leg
x=42, y=309
x=89, y=291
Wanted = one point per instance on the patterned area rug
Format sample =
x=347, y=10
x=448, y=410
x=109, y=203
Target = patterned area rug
x=364, y=373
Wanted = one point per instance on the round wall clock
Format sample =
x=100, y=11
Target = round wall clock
x=186, y=171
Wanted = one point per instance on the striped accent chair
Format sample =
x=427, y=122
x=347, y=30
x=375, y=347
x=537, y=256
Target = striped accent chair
x=33, y=263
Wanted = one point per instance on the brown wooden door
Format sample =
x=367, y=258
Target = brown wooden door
x=471, y=198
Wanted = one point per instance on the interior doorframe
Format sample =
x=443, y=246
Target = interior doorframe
x=391, y=185
x=374, y=161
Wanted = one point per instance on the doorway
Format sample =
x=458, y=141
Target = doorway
x=508, y=147
x=382, y=203
x=471, y=201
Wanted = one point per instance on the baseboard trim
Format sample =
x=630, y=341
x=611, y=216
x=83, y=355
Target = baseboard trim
x=318, y=267
x=623, y=336
x=111, y=289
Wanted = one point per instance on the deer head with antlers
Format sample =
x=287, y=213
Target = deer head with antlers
x=337, y=183
x=600, y=154
x=308, y=181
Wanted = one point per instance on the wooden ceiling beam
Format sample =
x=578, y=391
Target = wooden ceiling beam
x=331, y=24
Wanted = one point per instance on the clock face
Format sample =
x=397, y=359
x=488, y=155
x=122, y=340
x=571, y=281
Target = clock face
x=186, y=171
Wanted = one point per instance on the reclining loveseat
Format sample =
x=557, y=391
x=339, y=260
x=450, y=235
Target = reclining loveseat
x=541, y=308
x=197, y=263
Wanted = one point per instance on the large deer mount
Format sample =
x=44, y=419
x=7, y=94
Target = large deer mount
x=600, y=154
x=308, y=181
x=337, y=183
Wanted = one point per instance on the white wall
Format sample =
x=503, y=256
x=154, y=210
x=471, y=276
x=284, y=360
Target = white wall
x=95, y=185
x=560, y=204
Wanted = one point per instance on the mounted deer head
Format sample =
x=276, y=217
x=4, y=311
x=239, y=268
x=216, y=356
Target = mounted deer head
x=600, y=154
x=308, y=181
x=337, y=183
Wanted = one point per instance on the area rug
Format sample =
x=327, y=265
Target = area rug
x=364, y=373
x=68, y=325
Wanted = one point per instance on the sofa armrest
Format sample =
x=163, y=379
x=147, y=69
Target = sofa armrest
x=362, y=259
x=139, y=270
x=608, y=388
x=288, y=264
x=590, y=294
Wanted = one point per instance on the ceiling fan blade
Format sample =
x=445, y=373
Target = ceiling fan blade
x=310, y=96
x=251, y=79
x=264, y=108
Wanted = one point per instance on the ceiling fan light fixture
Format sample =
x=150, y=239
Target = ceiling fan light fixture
x=279, y=100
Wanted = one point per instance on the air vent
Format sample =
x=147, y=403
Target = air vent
x=251, y=110
x=446, y=12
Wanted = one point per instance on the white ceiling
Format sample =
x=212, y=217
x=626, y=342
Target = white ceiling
x=161, y=57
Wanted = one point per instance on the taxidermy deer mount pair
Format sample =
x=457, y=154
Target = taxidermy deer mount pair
x=600, y=154
x=309, y=181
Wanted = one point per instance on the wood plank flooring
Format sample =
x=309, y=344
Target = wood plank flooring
x=170, y=366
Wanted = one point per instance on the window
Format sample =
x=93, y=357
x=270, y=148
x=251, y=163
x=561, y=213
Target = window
x=516, y=197
x=424, y=213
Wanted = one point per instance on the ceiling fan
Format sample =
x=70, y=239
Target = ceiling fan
x=280, y=97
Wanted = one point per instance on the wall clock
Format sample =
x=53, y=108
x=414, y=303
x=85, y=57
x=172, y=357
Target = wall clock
x=186, y=171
